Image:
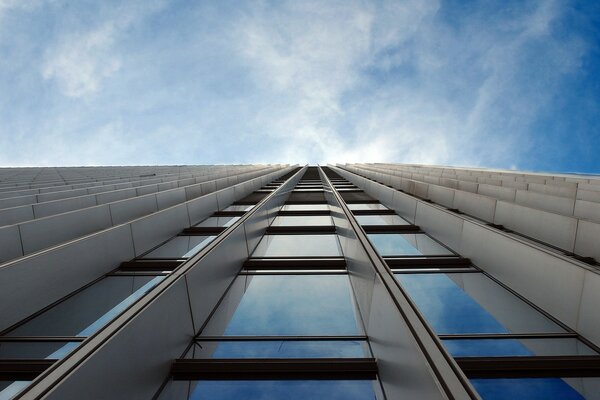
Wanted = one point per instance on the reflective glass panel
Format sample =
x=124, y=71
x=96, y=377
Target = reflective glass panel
x=472, y=303
x=280, y=349
x=89, y=310
x=276, y=390
x=270, y=305
x=305, y=207
x=180, y=247
x=395, y=244
x=538, y=388
x=367, y=206
x=218, y=221
x=298, y=246
x=242, y=207
x=381, y=220
x=303, y=220
x=36, y=350
x=9, y=389
x=517, y=347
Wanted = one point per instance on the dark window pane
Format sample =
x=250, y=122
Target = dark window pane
x=281, y=390
x=472, y=303
x=396, y=244
x=538, y=388
x=90, y=309
x=517, y=347
x=36, y=350
x=287, y=305
x=280, y=349
x=298, y=246
x=180, y=247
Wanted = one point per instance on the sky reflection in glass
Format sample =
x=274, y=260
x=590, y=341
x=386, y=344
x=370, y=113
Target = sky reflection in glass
x=283, y=390
x=280, y=349
x=298, y=246
x=450, y=308
x=396, y=244
x=517, y=347
x=180, y=247
x=304, y=220
x=385, y=219
x=525, y=389
x=218, y=221
x=295, y=305
x=367, y=206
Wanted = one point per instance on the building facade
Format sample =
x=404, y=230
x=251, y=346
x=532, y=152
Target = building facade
x=353, y=281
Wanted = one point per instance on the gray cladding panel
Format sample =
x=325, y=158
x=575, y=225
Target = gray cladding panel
x=172, y=221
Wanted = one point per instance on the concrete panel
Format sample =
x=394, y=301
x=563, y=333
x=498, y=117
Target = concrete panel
x=442, y=195
x=61, y=206
x=100, y=189
x=559, y=205
x=37, y=281
x=225, y=197
x=122, y=194
x=61, y=195
x=130, y=209
x=10, y=237
x=45, y=232
x=14, y=215
x=172, y=221
x=447, y=182
x=208, y=187
x=552, y=283
x=167, y=185
x=138, y=357
x=202, y=207
x=404, y=205
x=561, y=189
x=588, y=323
x=588, y=238
x=146, y=189
x=17, y=201
x=554, y=229
x=442, y=225
x=468, y=186
x=589, y=195
x=170, y=198
x=193, y=191
x=497, y=192
x=588, y=210
x=476, y=205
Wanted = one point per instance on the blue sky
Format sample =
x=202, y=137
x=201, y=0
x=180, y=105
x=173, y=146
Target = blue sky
x=507, y=84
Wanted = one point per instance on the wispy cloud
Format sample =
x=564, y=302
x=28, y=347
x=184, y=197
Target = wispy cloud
x=310, y=81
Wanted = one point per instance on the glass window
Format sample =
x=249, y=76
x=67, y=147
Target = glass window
x=180, y=247
x=305, y=207
x=395, y=244
x=517, y=347
x=303, y=220
x=218, y=221
x=280, y=349
x=538, y=388
x=271, y=305
x=277, y=390
x=472, y=303
x=35, y=350
x=367, y=206
x=244, y=207
x=9, y=389
x=89, y=310
x=298, y=246
x=381, y=220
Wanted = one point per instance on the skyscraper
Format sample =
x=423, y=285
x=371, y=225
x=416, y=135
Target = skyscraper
x=355, y=281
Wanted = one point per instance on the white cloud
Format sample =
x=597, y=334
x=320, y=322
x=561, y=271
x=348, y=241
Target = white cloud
x=80, y=61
